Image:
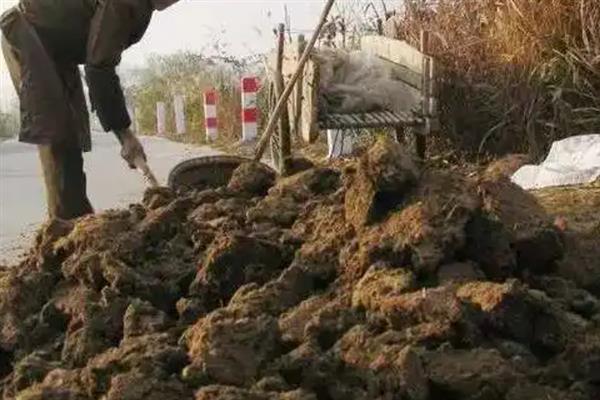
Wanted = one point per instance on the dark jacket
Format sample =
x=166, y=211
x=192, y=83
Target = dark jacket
x=53, y=37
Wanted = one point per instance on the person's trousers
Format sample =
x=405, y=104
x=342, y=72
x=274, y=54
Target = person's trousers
x=62, y=164
x=65, y=180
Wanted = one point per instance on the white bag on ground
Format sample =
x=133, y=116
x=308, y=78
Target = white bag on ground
x=572, y=161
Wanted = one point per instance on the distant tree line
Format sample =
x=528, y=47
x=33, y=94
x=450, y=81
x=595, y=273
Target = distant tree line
x=190, y=75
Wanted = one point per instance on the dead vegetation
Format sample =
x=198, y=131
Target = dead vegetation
x=517, y=74
x=444, y=287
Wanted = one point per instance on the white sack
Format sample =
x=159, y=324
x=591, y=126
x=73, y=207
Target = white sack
x=572, y=161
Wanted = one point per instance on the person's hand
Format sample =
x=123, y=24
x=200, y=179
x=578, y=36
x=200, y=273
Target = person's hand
x=132, y=150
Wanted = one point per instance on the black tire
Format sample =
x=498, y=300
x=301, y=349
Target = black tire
x=206, y=172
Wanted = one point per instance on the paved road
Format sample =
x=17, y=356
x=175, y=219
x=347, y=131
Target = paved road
x=110, y=183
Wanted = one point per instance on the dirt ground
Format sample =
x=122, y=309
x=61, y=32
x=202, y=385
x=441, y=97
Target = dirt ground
x=375, y=278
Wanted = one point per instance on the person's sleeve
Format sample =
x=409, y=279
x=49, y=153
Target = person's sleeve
x=108, y=37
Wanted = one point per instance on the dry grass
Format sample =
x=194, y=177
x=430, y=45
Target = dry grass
x=576, y=209
x=579, y=205
x=517, y=74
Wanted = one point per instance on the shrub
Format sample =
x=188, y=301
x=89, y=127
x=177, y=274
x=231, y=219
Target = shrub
x=517, y=74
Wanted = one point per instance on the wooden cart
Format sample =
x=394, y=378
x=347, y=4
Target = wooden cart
x=416, y=106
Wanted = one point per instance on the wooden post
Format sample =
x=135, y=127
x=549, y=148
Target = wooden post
x=421, y=139
x=297, y=113
x=285, y=144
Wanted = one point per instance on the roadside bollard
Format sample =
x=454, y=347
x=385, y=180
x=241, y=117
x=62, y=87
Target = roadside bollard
x=161, y=118
x=179, y=108
x=132, y=111
x=249, y=108
x=210, y=115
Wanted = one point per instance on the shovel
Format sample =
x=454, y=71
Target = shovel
x=215, y=171
x=142, y=166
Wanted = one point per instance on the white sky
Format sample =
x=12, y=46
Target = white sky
x=245, y=26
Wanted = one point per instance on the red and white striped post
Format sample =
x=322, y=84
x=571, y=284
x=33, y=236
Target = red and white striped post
x=210, y=115
x=249, y=108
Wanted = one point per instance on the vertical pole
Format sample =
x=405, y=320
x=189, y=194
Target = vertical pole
x=288, y=22
x=210, y=116
x=421, y=139
x=284, y=122
x=249, y=108
x=179, y=108
x=298, y=100
x=136, y=121
x=432, y=103
x=379, y=26
x=161, y=119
